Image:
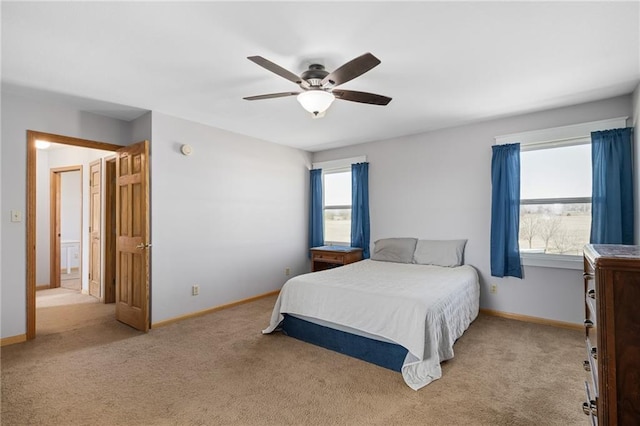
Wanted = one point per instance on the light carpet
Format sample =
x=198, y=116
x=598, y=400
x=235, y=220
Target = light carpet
x=219, y=369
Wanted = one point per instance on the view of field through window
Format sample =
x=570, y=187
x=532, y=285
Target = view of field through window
x=555, y=223
x=337, y=207
x=554, y=228
x=337, y=226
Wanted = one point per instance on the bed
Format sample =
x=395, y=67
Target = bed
x=400, y=312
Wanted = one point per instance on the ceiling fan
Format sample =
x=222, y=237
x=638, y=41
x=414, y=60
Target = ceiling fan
x=319, y=86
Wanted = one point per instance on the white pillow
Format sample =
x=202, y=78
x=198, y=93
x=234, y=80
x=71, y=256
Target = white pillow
x=439, y=252
x=398, y=250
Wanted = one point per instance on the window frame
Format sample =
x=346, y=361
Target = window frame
x=333, y=207
x=336, y=166
x=556, y=137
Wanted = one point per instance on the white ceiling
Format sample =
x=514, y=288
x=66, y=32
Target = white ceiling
x=443, y=63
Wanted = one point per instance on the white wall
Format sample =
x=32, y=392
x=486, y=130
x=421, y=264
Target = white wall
x=71, y=205
x=20, y=114
x=229, y=218
x=437, y=185
x=71, y=197
x=42, y=218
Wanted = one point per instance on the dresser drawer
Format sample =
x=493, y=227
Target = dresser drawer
x=591, y=365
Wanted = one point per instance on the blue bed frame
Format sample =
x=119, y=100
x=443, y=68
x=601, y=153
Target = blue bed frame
x=384, y=354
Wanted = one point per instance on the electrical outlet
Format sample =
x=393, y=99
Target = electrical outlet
x=494, y=288
x=195, y=290
x=287, y=271
x=16, y=216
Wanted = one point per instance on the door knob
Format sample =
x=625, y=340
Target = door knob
x=142, y=246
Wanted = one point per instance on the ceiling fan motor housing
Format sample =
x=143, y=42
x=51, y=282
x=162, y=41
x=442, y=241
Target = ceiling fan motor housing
x=314, y=75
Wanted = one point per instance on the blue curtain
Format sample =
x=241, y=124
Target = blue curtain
x=360, y=207
x=612, y=190
x=316, y=231
x=505, y=211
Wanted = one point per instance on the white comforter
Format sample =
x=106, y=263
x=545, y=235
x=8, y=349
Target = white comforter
x=420, y=307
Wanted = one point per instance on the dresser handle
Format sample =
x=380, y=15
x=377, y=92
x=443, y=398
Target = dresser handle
x=590, y=408
x=586, y=365
x=594, y=353
x=588, y=323
x=591, y=294
x=587, y=276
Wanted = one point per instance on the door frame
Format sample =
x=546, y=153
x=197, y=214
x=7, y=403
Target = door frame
x=55, y=222
x=32, y=136
x=109, y=246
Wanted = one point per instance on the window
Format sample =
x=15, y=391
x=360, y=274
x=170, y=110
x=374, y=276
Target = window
x=555, y=198
x=336, y=203
x=555, y=192
x=337, y=206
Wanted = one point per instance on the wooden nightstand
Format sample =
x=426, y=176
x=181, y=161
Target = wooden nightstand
x=326, y=257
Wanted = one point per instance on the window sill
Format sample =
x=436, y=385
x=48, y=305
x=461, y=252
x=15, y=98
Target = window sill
x=560, y=261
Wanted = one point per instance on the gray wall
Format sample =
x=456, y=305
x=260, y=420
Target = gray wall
x=229, y=218
x=437, y=185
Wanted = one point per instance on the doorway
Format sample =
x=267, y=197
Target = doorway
x=32, y=137
x=65, y=224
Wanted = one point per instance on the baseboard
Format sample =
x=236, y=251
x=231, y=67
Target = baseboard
x=535, y=320
x=13, y=340
x=210, y=310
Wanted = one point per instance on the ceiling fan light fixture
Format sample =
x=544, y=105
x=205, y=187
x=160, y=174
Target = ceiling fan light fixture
x=316, y=101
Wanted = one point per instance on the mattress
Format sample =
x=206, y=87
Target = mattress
x=423, y=308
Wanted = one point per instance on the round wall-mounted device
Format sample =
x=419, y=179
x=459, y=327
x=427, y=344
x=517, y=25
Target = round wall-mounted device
x=186, y=149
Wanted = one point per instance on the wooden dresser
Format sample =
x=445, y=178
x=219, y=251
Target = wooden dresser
x=612, y=324
x=326, y=257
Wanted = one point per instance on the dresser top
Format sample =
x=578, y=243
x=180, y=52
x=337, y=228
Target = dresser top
x=612, y=253
x=614, y=250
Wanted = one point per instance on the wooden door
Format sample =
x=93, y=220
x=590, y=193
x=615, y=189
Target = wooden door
x=132, y=235
x=95, y=234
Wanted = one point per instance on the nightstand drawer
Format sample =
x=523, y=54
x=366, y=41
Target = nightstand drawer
x=327, y=257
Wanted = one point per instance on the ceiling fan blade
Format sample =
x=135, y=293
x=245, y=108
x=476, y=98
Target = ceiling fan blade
x=351, y=70
x=274, y=68
x=362, y=97
x=271, y=96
